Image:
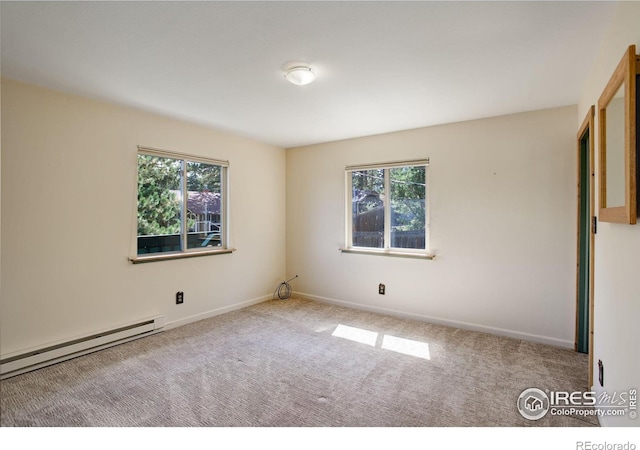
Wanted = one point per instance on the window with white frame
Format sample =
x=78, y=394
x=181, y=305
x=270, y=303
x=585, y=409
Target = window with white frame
x=387, y=207
x=182, y=204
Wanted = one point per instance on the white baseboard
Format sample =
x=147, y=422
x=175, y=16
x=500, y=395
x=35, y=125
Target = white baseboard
x=436, y=320
x=216, y=312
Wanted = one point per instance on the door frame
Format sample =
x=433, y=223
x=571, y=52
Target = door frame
x=588, y=125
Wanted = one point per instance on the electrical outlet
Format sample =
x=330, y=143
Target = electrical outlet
x=381, y=289
x=179, y=298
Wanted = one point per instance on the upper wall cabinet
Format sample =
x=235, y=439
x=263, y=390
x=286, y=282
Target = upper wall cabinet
x=617, y=113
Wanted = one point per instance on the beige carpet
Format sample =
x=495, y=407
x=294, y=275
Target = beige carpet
x=298, y=363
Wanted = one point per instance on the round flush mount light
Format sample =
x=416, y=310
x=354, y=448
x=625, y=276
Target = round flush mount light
x=300, y=75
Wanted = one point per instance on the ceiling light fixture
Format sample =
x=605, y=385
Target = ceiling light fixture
x=300, y=75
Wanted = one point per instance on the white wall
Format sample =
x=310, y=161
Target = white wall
x=617, y=247
x=69, y=212
x=502, y=225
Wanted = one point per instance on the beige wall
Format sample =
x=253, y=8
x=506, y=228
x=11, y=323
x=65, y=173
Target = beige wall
x=69, y=213
x=502, y=226
x=617, y=247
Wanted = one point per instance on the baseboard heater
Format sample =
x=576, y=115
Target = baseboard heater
x=25, y=361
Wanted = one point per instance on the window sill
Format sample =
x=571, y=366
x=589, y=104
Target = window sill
x=394, y=253
x=167, y=256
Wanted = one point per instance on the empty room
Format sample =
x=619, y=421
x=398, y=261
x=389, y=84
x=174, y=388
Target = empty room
x=320, y=214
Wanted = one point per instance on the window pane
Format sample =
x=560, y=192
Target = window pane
x=367, y=189
x=204, y=205
x=408, y=190
x=159, y=217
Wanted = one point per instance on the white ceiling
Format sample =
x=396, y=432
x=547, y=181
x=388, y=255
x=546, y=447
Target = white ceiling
x=382, y=66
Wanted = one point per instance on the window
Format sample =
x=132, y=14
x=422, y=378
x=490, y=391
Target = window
x=387, y=208
x=181, y=205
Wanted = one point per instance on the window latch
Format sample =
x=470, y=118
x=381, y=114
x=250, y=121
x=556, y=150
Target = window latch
x=594, y=225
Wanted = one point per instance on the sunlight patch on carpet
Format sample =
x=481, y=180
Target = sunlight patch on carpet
x=356, y=335
x=406, y=346
x=393, y=343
